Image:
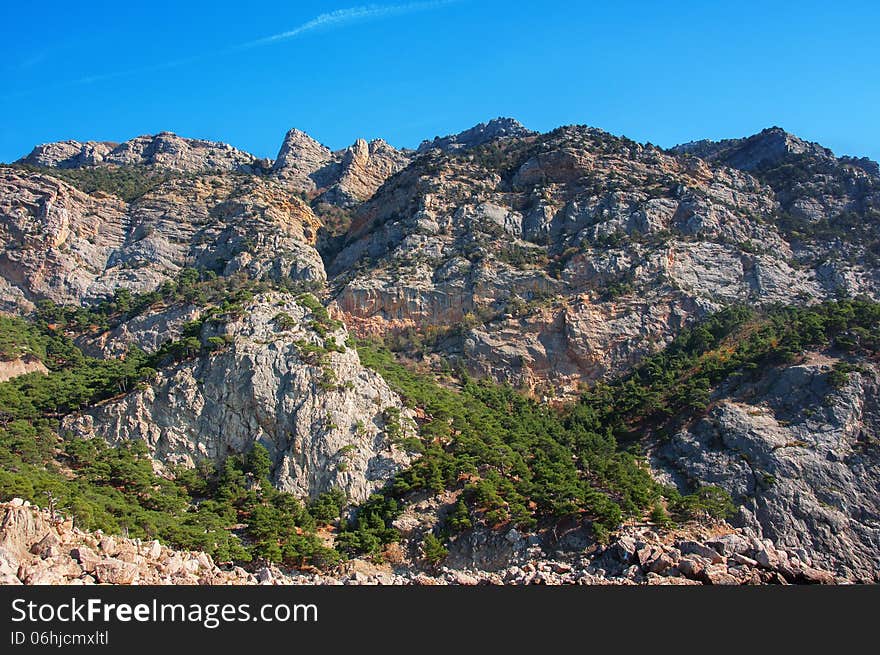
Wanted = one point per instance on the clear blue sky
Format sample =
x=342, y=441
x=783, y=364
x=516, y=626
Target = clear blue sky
x=664, y=72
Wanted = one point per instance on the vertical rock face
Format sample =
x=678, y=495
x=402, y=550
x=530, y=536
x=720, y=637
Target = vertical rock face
x=322, y=417
x=800, y=457
x=363, y=167
x=54, y=240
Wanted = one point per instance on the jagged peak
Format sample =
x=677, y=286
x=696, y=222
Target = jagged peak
x=299, y=150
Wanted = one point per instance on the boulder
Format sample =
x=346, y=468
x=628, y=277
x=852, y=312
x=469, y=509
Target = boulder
x=114, y=571
x=696, y=548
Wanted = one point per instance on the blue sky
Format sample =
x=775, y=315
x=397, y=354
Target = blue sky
x=245, y=73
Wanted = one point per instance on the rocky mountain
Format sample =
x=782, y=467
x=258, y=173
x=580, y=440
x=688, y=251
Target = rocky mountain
x=225, y=312
x=827, y=206
x=68, y=154
x=557, y=259
x=767, y=148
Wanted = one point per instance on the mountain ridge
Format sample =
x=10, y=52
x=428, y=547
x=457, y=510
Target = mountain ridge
x=252, y=294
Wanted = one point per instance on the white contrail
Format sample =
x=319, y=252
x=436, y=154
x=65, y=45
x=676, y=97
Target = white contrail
x=350, y=15
x=330, y=19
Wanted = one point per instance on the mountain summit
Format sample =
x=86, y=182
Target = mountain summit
x=768, y=147
x=497, y=128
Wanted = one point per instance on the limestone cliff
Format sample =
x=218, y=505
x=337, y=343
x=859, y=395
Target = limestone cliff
x=345, y=177
x=561, y=258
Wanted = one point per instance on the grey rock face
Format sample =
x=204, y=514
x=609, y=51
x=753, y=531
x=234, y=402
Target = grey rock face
x=299, y=158
x=147, y=331
x=323, y=423
x=167, y=150
x=54, y=240
x=801, y=457
x=361, y=169
x=587, y=253
x=827, y=205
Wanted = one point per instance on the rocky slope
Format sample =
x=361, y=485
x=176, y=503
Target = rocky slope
x=70, y=247
x=827, y=206
x=767, y=148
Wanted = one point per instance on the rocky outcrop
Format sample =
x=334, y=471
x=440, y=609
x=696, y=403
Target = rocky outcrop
x=497, y=128
x=68, y=154
x=827, y=205
x=323, y=417
x=54, y=240
x=167, y=150
x=147, y=331
x=59, y=243
x=299, y=158
x=362, y=168
x=21, y=366
x=800, y=457
x=638, y=555
x=164, y=150
x=41, y=547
